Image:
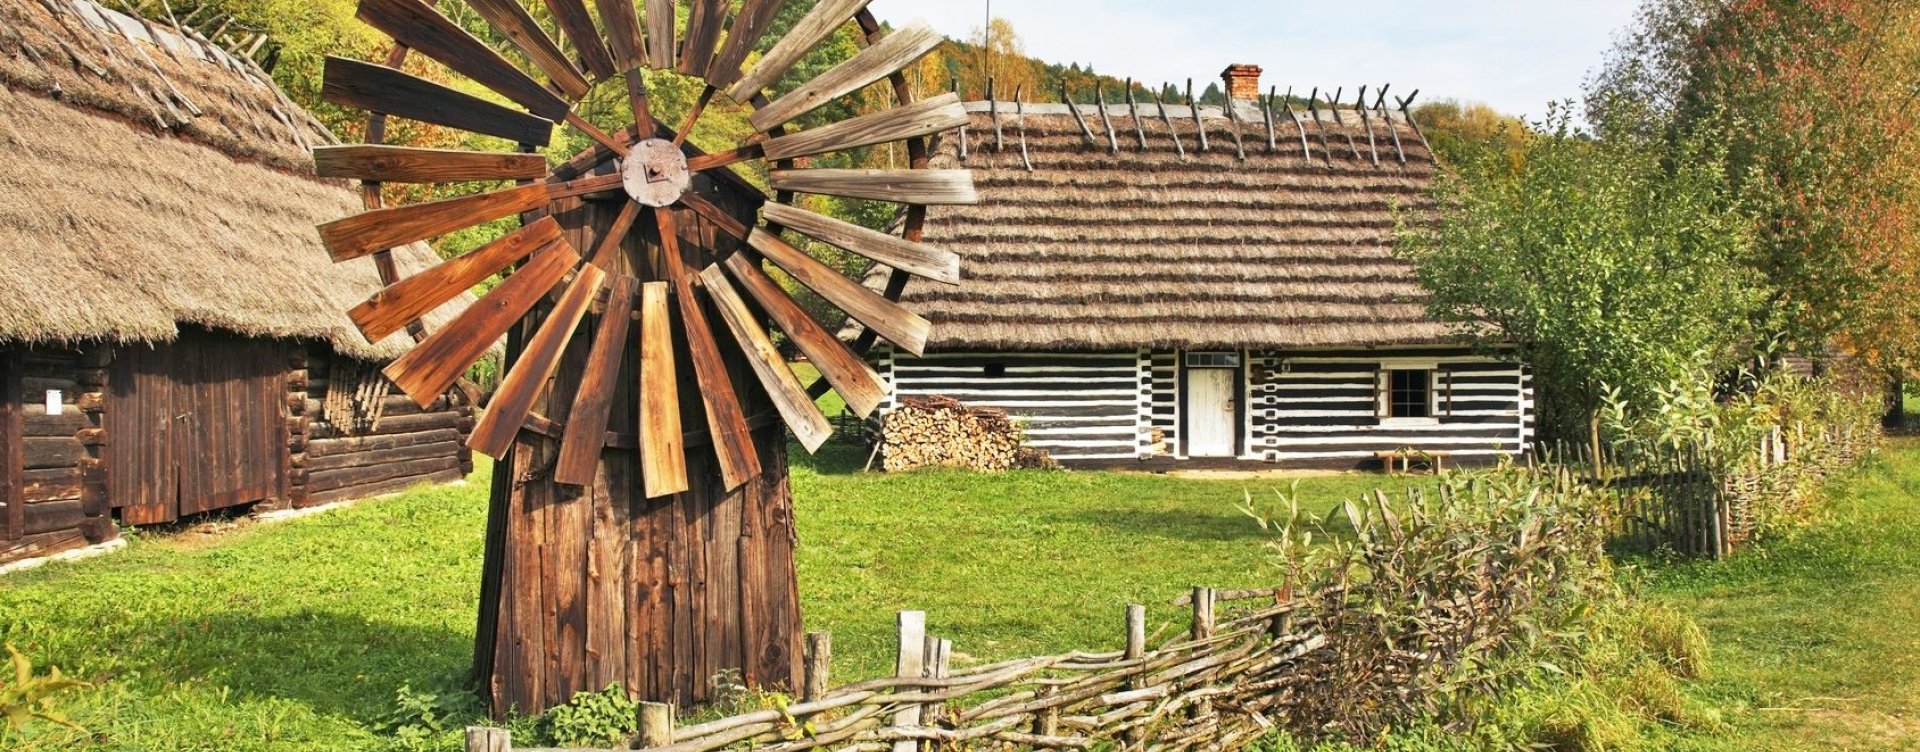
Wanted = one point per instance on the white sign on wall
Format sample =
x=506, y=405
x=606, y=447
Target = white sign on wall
x=55, y=404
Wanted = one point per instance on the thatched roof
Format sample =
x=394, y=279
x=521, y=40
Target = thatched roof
x=124, y=215
x=1092, y=249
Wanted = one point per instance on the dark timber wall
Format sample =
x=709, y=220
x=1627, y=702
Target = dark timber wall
x=50, y=476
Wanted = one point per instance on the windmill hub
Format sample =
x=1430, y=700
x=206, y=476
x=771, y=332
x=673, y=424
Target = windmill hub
x=655, y=173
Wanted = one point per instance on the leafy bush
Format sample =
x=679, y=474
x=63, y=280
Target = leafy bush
x=594, y=719
x=422, y=719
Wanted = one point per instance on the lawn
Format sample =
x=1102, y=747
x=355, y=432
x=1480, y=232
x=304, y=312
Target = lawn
x=1814, y=636
x=298, y=635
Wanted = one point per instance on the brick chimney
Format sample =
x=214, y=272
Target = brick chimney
x=1243, y=82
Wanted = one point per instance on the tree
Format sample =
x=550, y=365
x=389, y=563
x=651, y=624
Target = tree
x=1454, y=128
x=1606, y=266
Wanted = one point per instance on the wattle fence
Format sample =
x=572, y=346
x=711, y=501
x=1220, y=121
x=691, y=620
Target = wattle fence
x=1221, y=684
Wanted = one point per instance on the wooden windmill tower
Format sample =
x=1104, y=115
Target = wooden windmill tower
x=641, y=525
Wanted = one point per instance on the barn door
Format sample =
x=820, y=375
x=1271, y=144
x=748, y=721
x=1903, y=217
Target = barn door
x=141, y=481
x=1213, y=403
x=194, y=426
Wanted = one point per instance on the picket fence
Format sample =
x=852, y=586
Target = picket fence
x=1217, y=686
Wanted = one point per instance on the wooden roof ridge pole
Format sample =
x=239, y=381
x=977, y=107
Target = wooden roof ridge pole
x=1113, y=141
x=963, y=126
x=1380, y=106
x=1306, y=148
x=1233, y=122
x=1133, y=109
x=1373, y=146
x=1086, y=134
x=1266, y=113
x=1193, y=106
x=1168, y=119
x=1333, y=103
x=1406, y=110
x=1313, y=108
x=1020, y=124
x=993, y=113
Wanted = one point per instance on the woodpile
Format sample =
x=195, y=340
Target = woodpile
x=943, y=432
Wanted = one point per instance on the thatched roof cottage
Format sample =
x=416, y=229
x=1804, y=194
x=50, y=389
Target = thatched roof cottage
x=1144, y=284
x=172, y=338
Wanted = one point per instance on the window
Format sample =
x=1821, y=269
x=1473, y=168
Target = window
x=994, y=370
x=1213, y=360
x=1409, y=393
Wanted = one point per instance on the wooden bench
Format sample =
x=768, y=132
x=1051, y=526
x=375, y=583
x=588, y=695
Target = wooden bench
x=1407, y=456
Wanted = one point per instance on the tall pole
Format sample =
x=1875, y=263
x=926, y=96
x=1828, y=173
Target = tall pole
x=986, y=48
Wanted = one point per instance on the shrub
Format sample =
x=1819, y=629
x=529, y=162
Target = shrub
x=594, y=718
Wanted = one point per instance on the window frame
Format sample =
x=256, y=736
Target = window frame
x=1437, y=380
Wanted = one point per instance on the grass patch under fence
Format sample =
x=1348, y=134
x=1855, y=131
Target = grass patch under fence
x=337, y=631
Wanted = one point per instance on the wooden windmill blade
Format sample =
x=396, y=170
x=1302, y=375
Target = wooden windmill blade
x=414, y=24
x=512, y=21
x=808, y=33
x=577, y=24
x=635, y=298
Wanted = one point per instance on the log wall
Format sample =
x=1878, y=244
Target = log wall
x=54, y=488
x=1302, y=408
x=408, y=445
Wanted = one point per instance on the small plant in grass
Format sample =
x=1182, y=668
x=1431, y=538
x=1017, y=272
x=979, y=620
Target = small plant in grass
x=30, y=695
x=605, y=717
x=419, y=718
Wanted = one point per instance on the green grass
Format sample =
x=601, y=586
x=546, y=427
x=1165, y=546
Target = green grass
x=298, y=635
x=1816, y=637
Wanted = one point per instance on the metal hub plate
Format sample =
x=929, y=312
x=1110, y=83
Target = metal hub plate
x=655, y=173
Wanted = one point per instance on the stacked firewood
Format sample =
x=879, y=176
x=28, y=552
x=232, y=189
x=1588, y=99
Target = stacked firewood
x=943, y=432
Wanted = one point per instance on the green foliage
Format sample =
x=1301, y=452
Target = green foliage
x=419, y=719
x=1459, y=130
x=1601, y=263
x=30, y=695
x=595, y=719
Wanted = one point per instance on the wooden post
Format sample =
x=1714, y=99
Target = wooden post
x=656, y=725
x=13, y=525
x=910, y=663
x=483, y=739
x=819, y=664
x=1047, y=721
x=1202, y=612
x=1136, y=648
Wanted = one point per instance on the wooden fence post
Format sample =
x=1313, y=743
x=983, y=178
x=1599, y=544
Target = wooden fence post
x=1136, y=649
x=483, y=739
x=656, y=725
x=911, y=663
x=819, y=665
x=1202, y=612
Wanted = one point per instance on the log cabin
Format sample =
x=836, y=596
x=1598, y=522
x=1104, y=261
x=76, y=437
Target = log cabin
x=1155, y=285
x=172, y=336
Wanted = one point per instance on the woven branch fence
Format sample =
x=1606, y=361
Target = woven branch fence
x=1698, y=502
x=1227, y=681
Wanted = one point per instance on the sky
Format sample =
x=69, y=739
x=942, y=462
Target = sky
x=1516, y=55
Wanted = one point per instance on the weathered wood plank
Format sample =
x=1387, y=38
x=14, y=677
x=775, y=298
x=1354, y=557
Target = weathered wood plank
x=663, y=466
x=808, y=424
x=749, y=25
x=902, y=327
x=661, y=47
x=921, y=259
x=13, y=461
x=514, y=22
x=318, y=448
x=703, y=34
x=577, y=25
x=700, y=162
x=859, y=386
x=381, y=229
x=391, y=309
x=623, y=34
x=732, y=437
x=321, y=482
x=923, y=118
x=806, y=34
x=426, y=372
x=416, y=25
x=399, y=164
x=608, y=255
x=382, y=487
x=377, y=88
x=41, y=452
x=898, y=186
x=385, y=456
x=586, y=432
x=49, y=484
x=493, y=435
x=892, y=54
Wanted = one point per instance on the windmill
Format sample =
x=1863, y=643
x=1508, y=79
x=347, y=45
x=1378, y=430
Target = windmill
x=640, y=529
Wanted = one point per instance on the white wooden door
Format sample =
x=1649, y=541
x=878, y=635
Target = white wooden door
x=1212, y=415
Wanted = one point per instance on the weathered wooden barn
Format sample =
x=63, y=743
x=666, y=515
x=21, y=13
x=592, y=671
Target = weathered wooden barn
x=1148, y=284
x=172, y=337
